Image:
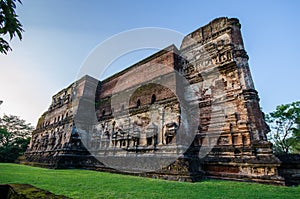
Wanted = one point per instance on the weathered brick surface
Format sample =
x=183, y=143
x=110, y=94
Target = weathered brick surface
x=148, y=99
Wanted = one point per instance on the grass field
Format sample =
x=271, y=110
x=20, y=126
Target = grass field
x=91, y=184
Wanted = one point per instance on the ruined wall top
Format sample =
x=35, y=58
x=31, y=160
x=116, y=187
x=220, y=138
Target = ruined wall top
x=213, y=30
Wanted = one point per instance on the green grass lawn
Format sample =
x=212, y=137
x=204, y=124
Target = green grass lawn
x=91, y=184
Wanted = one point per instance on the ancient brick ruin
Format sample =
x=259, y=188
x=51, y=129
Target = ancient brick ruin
x=180, y=114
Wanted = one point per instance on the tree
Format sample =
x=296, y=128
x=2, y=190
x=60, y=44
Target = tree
x=14, y=137
x=285, y=128
x=9, y=23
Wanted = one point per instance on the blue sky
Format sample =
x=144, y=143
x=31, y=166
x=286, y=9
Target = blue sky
x=60, y=34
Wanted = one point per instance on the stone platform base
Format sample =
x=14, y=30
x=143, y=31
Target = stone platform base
x=182, y=169
x=265, y=173
x=189, y=168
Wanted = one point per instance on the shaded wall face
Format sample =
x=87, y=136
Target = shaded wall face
x=135, y=76
x=55, y=126
x=143, y=98
x=151, y=107
x=121, y=90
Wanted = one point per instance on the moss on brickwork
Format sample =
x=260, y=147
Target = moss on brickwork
x=26, y=191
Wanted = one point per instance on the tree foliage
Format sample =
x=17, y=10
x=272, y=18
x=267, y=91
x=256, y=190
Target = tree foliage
x=9, y=23
x=285, y=128
x=14, y=137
